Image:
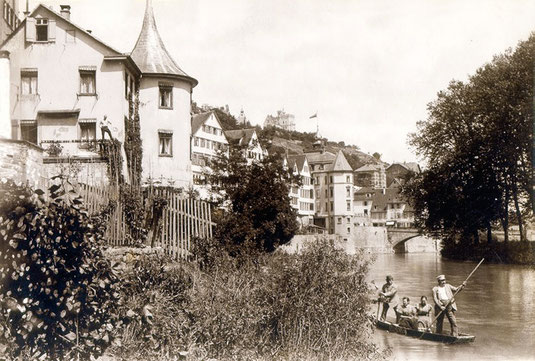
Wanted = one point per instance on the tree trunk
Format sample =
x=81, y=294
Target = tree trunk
x=518, y=213
x=489, y=233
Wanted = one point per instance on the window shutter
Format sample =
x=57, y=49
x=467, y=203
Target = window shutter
x=51, y=30
x=30, y=30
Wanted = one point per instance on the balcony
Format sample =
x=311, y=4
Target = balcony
x=71, y=148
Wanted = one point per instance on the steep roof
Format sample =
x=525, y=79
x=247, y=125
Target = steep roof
x=197, y=120
x=299, y=159
x=369, y=168
x=320, y=157
x=242, y=136
x=114, y=52
x=412, y=166
x=340, y=164
x=150, y=53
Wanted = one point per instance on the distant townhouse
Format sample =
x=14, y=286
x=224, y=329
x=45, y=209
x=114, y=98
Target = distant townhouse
x=398, y=171
x=207, y=142
x=371, y=175
x=248, y=140
x=333, y=189
x=64, y=85
x=389, y=208
x=362, y=205
x=302, y=197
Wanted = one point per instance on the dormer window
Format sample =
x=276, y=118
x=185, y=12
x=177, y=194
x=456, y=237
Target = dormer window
x=41, y=29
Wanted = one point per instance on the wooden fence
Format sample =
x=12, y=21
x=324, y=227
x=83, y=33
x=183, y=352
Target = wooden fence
x=182, y=219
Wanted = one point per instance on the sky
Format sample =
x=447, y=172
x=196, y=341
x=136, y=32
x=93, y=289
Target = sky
x=367, y=68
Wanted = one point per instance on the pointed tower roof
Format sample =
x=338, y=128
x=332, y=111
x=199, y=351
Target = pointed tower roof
x=341, y=164
x=150, y=54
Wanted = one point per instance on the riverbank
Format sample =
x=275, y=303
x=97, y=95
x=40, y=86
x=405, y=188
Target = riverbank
x=521, y=253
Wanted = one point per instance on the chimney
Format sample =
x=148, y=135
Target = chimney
x=66, y=11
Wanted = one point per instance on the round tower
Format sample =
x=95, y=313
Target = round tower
x=165, y=92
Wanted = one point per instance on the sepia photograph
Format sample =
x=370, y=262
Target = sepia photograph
x=305, y=180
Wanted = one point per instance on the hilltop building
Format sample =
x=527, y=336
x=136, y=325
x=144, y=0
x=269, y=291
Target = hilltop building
x=282, y=120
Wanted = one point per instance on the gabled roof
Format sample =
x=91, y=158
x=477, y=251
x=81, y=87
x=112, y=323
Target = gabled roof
x=320, y=157
x=299, y=160
x=241, y=136
x=391, y=195
x=57, y=15
x=150, y=53
x=197, y=120
x=369, y=168
x=340, y=164
x=412, y=166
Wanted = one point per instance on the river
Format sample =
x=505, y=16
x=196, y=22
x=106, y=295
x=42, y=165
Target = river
x=497, y=307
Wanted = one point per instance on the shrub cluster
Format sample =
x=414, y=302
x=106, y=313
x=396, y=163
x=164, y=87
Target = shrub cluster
x=58, y=293
x=263, y=306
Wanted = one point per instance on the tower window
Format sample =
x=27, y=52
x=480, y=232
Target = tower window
x=166, y=143
x=166, y=97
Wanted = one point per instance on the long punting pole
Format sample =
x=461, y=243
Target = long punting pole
x=455, y=294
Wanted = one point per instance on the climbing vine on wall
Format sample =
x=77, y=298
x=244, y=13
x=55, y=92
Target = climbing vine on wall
x=132, y=143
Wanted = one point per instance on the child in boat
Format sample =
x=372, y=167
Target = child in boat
x=423, y=311
x=407, y=314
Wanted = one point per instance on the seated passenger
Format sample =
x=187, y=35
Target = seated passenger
x=406, y=314
x=423, y=310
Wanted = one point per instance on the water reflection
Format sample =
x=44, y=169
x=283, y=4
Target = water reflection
x=496, y=307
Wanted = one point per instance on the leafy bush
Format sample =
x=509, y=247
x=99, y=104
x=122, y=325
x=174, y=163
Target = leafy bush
x=263, y=307
x=58, y=293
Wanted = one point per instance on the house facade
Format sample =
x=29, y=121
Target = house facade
x=398, y=171
x=302, y=197
x=10, y=19
x=362, y=205
x=62, y=83
x=390, y=209
x=371, y=175
x=67, y=91
x=248, y=140
x=208, y=141
x=333, y=188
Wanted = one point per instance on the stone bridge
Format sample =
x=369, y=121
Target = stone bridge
x=400, y=235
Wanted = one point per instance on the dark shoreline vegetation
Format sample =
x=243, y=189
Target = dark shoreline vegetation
x=512, y=252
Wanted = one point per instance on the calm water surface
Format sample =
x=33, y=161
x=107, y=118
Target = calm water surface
x=497, y=307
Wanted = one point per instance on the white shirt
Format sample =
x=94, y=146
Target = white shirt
x=442, y=295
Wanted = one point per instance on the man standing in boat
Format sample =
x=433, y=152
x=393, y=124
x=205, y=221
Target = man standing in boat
x=445, y=304
x=388, y=296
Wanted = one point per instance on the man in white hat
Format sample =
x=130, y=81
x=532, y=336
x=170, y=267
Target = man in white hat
x=445, y=304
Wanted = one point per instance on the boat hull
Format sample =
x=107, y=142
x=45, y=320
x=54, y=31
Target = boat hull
x=423, y=335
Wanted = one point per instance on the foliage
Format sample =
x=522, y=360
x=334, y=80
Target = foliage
x=54, y=149
x=477, y=141
x=58, y=293
x=133, y=146
x=496, y=252
x=264, y=307
x=256, y=210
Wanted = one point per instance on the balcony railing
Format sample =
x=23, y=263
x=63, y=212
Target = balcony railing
x=66, y=148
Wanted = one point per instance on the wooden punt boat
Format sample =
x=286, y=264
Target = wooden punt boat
x=423, y=335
